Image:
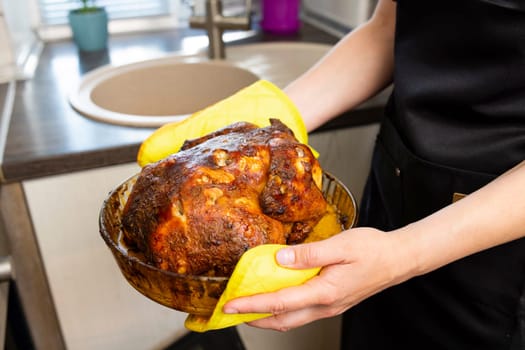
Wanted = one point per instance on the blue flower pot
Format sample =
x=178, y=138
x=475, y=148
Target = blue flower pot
x=90, y=28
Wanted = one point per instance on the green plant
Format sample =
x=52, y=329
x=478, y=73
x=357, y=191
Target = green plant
x=88, y=6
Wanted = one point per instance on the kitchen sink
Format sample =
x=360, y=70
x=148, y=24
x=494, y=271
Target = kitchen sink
x=157, y=91
x=154, y=92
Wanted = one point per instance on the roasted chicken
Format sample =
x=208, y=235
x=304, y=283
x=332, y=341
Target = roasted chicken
x=196, y=211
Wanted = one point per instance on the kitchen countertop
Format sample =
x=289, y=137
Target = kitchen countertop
x=47, y=137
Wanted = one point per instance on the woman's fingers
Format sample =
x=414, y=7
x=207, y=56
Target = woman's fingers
x=291, y=320
x=276, y=303
x=319, y=291
x=296, y=306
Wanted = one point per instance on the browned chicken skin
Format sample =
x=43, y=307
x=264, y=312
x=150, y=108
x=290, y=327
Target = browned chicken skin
x=198, y=210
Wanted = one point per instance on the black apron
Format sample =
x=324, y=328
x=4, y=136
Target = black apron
x=475, y=303
x=455, y=121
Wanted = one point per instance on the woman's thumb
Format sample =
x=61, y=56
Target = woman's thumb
x=302, y=256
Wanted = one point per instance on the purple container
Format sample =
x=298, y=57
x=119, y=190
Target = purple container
x=280, y=16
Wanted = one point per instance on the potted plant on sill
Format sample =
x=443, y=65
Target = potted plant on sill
x=89, y=25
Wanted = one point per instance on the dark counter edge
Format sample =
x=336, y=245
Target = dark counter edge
x=14, y=171
x=128, y=153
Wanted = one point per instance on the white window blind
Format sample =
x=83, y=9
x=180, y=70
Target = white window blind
x=55, y=11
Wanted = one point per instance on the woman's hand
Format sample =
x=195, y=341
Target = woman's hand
x=361, y=262
x=356, y=264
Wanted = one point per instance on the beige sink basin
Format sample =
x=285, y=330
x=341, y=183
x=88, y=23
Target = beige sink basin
x=157, y=91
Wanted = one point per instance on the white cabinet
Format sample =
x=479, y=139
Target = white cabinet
x=96, y=307
x=347, y=153
x=323, y=334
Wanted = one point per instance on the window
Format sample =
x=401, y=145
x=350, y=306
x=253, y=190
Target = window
x=54, y=12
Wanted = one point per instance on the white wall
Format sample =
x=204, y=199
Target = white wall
x=19, y=46
x=18, y=19
x=348, y=13
x=6, y=52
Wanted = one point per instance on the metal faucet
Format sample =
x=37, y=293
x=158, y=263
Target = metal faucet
x=215, y=24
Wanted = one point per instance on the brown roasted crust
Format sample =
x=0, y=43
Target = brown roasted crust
x=239, y=127
x=198, y=210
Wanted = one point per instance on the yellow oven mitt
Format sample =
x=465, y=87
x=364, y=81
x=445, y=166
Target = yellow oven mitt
x=256, y=272
x=256, y=104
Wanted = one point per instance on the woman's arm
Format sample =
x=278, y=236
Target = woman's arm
x=356, y=69
x=486, y=218
x=361, y=262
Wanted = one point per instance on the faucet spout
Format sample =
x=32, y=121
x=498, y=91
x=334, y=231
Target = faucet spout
x=215, y=23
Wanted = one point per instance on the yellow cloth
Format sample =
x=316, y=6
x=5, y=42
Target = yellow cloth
x=256, y=272
x=256, y=104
